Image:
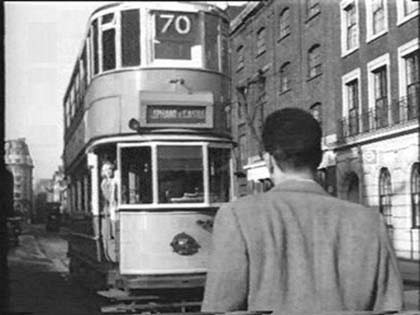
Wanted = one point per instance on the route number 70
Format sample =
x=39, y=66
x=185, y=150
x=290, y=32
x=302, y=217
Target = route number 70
x=182, y=23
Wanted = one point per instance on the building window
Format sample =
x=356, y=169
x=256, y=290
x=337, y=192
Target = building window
x=353, y=106
x=378, y=12
x=349, y=26
x=285, y=77
x=413, y=84
x=415, y=195
x=381, y=96
x=377, y=19
x=406, y=10
x=312, y=7
x=379, y=91
x=409, y=79
x=240, y=58
x=385, y=195
x=316, y=112
x=261, y=41
x=314, y=61
x=284, y=21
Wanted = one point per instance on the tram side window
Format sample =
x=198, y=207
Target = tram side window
x=136, y=175
x=95, y=46
x=108, y=42
x=130, y=38
x=180, y=174
x=219, y=171
x=211, y=50
x=176, y=35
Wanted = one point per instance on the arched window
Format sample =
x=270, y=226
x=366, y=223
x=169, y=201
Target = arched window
x=261, y=41
x=385, y=194
x=314, y=61
x=285, y=77
x=415, y=195
x=284, y=20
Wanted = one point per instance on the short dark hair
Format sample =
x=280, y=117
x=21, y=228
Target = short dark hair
x=293, y=137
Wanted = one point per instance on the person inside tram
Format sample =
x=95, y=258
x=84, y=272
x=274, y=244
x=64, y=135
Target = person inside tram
x=295, y=248
x=109, y=190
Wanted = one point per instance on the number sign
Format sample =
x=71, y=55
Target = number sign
x=175, y=26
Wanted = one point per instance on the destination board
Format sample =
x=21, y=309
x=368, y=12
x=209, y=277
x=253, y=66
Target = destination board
x=175, y=114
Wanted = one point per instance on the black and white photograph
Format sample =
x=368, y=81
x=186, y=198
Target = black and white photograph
x=210, y=158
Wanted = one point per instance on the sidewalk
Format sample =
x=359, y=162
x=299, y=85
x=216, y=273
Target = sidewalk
x=39, y=281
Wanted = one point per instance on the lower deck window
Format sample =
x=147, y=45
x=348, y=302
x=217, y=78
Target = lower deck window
x=180, y=174
x=136, y=175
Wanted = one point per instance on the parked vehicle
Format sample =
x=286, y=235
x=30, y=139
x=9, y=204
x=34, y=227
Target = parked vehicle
x=53, y=217
x=14, y=229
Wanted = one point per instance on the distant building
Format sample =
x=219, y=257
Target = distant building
x=19, y=162
x=50, y=190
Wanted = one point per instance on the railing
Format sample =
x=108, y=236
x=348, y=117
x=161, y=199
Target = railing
x=382, y=116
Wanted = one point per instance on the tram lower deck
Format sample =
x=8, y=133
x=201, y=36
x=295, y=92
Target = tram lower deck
x=156, y=198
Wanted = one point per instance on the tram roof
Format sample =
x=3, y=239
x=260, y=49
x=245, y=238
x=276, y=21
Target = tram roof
x=167, y=5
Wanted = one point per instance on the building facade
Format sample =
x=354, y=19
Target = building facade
x=355, y=65
x=377, y=146
x=284, y=54
x=19, y=162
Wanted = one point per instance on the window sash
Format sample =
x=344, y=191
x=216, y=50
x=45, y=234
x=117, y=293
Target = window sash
x=409, y=6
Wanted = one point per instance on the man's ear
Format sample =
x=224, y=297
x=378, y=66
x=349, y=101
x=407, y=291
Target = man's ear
x=269, y=160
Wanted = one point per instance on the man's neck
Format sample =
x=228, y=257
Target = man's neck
x=285, y=176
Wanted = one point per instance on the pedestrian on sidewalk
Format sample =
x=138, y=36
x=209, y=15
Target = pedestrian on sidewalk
x=295, y=248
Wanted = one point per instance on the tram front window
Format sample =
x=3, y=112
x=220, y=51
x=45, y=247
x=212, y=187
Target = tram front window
x=136, y=175
x=219, y=166
x=180, y=174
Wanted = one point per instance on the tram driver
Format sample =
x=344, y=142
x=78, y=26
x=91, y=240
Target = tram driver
x=295, y=248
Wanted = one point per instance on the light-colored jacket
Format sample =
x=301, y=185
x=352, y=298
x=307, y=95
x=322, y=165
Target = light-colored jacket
x=296, y=249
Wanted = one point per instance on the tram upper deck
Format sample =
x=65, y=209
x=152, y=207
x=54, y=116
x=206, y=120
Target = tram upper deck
x=157, y=65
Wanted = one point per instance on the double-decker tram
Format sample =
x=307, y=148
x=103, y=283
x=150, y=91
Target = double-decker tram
x=147, y=150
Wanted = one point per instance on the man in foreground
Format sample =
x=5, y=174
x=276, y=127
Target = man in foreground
x=295, y=248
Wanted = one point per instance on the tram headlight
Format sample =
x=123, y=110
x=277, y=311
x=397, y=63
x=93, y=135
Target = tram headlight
x=134, y=124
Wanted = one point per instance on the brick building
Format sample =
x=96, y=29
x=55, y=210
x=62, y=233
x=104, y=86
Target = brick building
x=355, y=65
x=284, y=53
x=19, y=162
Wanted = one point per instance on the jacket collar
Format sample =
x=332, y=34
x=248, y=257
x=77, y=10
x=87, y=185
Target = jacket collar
x=300, y=185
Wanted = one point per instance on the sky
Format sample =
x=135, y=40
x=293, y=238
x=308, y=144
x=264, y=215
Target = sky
x=42, y=40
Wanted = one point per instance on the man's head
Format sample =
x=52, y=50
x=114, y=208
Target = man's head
x=292, y=137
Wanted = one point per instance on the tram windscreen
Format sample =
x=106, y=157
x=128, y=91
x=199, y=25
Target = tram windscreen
x=219, y=173
x=136, y=175
x=180, y=174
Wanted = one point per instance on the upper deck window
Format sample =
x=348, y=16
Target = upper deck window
x=108, y=42
x=176, y=36
x=130, y=38
x=95, y=46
